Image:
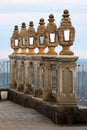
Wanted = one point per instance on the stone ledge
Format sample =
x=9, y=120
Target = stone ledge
x=58, y=114
x=59, y=58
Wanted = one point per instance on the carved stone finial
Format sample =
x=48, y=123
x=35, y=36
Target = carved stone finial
x=66, y=21
x=15, y=32
x=23, y=25
x=23, y=30
x=31, y=24
x=66, y=13
x=41, y=28
x=51, y=18
x=41, y=21
x=16, y=28
x=31, y=30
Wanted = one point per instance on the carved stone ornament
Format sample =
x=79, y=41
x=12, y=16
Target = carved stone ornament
x=66, y=34
x=40, y=36
x=31, y=38
x=15, y=40
x=51, y=34
x=23, y=38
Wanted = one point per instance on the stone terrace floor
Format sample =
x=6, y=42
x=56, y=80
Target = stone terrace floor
x=16, y=117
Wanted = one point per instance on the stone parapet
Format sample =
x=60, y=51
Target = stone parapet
x=48, y=76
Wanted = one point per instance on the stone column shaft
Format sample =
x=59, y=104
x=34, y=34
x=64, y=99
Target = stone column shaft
x=47, y=90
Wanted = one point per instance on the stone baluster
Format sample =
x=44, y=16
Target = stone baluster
x=21, y=76
x=28, y=82
x=41, y=78
x=36, y=78
x=47, y=90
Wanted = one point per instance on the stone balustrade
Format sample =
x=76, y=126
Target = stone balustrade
x=52, y=78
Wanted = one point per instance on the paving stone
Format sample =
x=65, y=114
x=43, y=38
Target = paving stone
x=16, y=117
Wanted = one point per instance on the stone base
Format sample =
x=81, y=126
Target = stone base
x=58, y=114
x=66, y=52
x=67, y=100
x=20, y=88
x=38, y=93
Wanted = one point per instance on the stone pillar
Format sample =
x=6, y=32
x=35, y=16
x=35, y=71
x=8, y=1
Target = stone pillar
x=66, y=89
x=50, y=77
x=36, y=78
x=21, y=74
x=29, y=76
x=47, y=90
x=36, y=61
x=13, y=72
x=26, y=85
x=41, y=78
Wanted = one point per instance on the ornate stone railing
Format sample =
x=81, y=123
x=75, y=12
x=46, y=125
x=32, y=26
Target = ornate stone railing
x=53, y=78
x=51, y=75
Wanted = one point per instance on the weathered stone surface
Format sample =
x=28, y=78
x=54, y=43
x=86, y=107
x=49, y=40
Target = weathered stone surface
x=48, y=76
